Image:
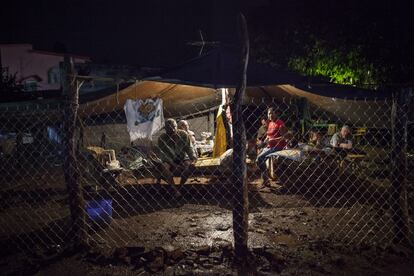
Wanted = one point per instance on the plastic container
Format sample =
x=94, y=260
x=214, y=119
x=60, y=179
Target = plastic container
x=99, y=211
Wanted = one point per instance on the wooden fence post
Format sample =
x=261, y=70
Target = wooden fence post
x=399, y=207
x=71, y=170
x=240, y=203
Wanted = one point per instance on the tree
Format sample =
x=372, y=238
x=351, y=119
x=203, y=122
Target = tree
x=338, y=65
x=361, y=43
x=8, y=82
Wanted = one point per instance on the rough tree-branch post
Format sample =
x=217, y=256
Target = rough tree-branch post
x=240, y=204
x=399, y=208
x=71, y=170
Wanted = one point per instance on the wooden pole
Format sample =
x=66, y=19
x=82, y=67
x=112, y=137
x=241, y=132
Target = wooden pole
x=71, y=170
x=1, y=66
x=240, y=203
x=399, y=207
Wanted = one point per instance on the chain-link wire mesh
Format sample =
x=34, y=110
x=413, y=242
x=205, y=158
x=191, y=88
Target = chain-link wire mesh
x=132, y=191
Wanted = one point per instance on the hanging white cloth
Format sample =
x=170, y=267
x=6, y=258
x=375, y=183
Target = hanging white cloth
x=144, y=118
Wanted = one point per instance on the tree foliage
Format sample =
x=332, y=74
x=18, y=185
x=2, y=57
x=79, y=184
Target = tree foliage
x=338, y=65
x=361, y=43
x=8, y=82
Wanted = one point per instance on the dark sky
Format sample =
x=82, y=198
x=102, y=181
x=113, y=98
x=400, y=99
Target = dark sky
x=155, y=32
x=146, y=32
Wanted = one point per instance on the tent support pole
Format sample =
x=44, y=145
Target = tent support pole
x=240, y=203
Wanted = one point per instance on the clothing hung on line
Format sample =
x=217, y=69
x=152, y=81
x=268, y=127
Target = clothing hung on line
x=144, y=118
x=223, y=134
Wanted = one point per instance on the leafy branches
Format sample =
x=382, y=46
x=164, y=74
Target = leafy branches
x=339, y=65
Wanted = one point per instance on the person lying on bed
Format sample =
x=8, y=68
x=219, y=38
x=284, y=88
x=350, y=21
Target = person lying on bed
x=176, y=153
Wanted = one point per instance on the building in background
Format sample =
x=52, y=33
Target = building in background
x=35, y=70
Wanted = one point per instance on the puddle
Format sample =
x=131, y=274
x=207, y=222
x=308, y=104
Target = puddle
x=286, y=240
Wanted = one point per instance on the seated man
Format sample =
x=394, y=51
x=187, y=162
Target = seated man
x=342, y=139
x=183, y=125
x=176, y=154
x=275, y=141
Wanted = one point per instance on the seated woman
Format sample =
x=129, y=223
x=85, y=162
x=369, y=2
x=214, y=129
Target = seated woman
x=317, y=140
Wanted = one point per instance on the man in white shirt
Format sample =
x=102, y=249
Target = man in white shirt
x=342, y=139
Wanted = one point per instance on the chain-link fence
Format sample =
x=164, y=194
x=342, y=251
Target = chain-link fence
x=146, y=184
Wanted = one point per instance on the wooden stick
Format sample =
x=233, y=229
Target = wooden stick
x=399, y=206
x=241, y=203
x=71, y=171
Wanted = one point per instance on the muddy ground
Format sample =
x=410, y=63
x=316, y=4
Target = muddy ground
x=151, y=232
x=287, y=236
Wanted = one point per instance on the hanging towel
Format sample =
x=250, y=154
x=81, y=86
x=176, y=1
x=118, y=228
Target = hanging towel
x=220, y=143
x=144, y=118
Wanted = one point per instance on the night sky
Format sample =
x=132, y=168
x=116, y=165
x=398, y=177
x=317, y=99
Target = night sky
x=155, y=32
x=151, y=32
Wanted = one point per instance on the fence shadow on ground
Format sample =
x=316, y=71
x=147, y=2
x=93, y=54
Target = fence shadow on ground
x=336, y=190
x=52, y=236
x=128, y=201
x=141, y=199
x=30, y=197
x=342, y=190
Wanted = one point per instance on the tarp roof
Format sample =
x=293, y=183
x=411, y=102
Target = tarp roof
x=177, y=98
x=191, y=87
x=180, y=100
x=219, y=68
x=368, y=112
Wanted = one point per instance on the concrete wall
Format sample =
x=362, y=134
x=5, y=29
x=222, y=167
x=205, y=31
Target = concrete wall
x=23, y=60
x=202, y=124
x=117, y=136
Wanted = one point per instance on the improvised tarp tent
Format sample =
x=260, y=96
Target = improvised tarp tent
x=192, y=87
x=219, y=68
x=370, y=109
x=178, y=99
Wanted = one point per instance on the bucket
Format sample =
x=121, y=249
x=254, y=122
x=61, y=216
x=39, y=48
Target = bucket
x=99, y=211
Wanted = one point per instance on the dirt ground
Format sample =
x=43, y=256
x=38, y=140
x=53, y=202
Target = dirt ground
x=287, y=236
x=152, y=232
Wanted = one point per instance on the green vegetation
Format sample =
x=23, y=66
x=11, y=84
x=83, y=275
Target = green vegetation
x=338, y=65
